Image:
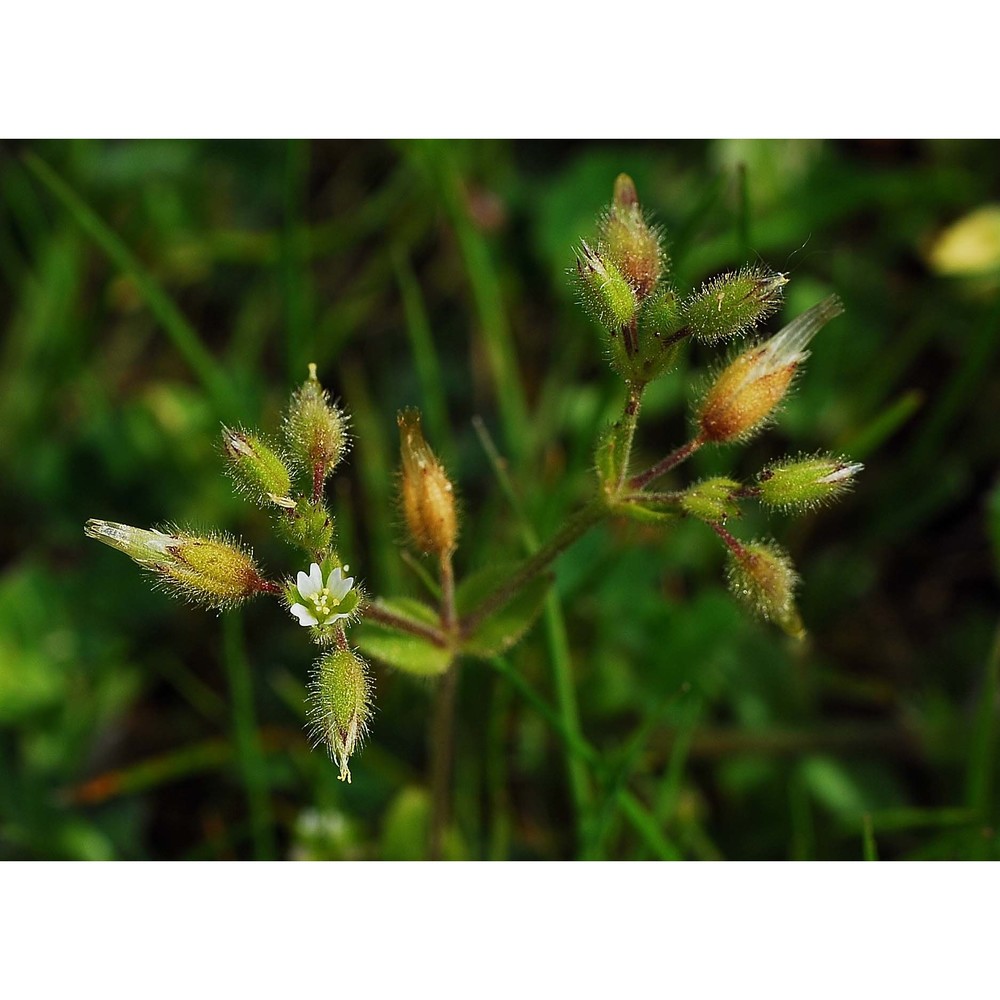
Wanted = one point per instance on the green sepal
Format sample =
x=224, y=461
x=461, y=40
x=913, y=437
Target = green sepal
x=507, y=625
x=410, y=653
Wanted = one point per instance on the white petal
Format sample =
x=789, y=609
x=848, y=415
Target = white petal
x=844, y=472
x=303, y=585
x=788, y=346
x=339, y=587
x=304, y=615
x=316, y=578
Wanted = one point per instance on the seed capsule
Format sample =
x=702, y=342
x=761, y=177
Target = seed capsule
x=427, y=496
x=341, y=698
x=212, y=570
x=761, y=575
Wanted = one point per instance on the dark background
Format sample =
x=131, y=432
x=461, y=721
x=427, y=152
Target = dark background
x=150, y=290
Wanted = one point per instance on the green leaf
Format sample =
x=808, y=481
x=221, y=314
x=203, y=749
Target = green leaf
x=410, y=653
x=508, y=624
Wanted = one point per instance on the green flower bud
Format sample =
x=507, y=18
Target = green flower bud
x=606, y=294
x=341, y=697
x=316, y=430
x=307, y=525
x=629, y=241
x=214, y=570
x=761, y=575
x=711, y=499
x=733, y=303
x=656, y=352
x=257, y=469
x=806, y=482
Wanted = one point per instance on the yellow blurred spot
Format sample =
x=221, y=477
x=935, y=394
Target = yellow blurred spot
x=970, y=246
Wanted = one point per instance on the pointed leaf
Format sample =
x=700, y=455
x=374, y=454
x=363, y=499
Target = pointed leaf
x=410, y=653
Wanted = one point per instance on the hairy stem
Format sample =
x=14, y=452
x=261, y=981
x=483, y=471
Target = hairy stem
x=629, y=420
x=732, y=543
x=662, y=467
x=586, y=517
x=449, y=617
x=441, y=738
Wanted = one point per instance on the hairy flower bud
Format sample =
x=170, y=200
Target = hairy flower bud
x=212, y=570
x=806, y=482
x=340, y=705
x=711, y=499
x=316, y=430
x=257, y=469
x=308, y=525
x=656, y=350
x=629, y=241
x=751, y=386
x=733, y=303
x=761, y=575
x=605, y=292
x=427, y=496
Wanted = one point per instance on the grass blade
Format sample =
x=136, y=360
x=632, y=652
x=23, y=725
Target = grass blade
x=183, y=336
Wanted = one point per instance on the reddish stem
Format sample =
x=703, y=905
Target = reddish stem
x=666, y=464
x=732, y=543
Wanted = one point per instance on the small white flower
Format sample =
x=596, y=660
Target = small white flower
x=324, y=604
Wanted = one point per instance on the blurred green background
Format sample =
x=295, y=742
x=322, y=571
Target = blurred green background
x=150, y=290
